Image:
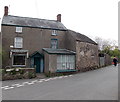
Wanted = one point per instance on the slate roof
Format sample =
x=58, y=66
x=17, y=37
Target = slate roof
x=44, y=24
x=80, y=37
x=59, y=51
x=36, y=53
x=32, y=22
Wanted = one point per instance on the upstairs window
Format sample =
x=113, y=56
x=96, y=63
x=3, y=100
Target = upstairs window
x=18, y=42
x=54, y=43
x=54, y=32
x=19, y=29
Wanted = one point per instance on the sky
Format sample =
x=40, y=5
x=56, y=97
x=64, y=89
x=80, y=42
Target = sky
x=93, y=18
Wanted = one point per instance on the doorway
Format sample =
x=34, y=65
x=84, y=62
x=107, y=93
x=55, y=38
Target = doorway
x=37, y=62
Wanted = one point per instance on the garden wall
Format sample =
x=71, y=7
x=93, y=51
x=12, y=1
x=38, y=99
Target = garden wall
x=18, y=73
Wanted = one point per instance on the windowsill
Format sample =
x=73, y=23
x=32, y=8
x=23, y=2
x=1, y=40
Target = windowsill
x=53, y=35
x=18, y=65
x=18, y=32
x=17, y=48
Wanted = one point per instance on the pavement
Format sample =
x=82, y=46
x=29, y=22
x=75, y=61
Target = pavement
x=100, y=84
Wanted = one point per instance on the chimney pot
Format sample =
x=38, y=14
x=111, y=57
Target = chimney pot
x=59, y=17
x=6, y=11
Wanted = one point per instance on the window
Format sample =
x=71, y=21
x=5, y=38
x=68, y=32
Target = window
x=18, y=42
x=65, y=62
x=19, y=29
x=19, y=60
x=54, y=43
x=54, y=32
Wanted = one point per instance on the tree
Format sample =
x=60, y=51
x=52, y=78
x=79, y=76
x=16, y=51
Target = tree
x=116, y=52
x=105, y=44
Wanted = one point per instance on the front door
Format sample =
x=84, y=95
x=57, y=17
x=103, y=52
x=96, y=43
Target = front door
x=37, y=64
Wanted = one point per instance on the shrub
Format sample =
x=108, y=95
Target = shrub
x=21, y=71
x=31, y=75
x=13, y=72
x=3, y=71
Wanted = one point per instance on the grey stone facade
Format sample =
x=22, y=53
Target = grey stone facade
x=86, y=55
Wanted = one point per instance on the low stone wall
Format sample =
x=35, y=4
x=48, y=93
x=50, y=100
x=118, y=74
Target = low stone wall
x=18, y=73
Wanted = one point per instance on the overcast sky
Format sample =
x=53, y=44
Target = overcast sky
x=90, y=17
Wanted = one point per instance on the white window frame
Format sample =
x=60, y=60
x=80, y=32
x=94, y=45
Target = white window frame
x=17, y=43
x=18, y=65
x=19, y=29
x=54, y=32
x=64, y=62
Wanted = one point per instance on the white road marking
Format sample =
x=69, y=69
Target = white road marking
x=60, y=77
x=33, y=82
x=20, y=85
x=50, y=78
x=47, y=80
x=70, y=75
x=30, y=83
x=25, y=83
x=55, y=77
x=40, y=81
x=65, y=76
x=8, y=88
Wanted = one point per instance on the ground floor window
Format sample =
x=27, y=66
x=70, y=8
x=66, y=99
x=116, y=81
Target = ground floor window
x=65, y=62
x=19, y=60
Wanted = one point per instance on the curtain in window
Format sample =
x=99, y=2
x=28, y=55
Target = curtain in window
x=18, y=42
x=54, y=43
x=65, y=62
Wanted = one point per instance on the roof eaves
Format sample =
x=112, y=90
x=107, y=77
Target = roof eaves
x=87, y=42
x=35, y=27
x=60, y=53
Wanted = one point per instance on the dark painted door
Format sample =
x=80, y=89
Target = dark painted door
x=37, y=64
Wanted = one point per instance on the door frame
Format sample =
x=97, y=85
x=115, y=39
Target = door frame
x=32, y=58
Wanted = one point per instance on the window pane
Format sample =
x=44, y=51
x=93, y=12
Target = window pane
x=54, y=32
x=54, y=43
x=18, y=43
x=19, y=29
x=65, y=62
x=19, y=60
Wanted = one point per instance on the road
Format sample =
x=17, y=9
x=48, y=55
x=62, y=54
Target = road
x=100, y=84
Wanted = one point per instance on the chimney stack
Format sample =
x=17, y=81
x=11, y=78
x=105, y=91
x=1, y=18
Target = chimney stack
x=59, y=17
x=6, y=11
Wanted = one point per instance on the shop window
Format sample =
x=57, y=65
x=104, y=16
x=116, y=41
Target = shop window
x=65, y=62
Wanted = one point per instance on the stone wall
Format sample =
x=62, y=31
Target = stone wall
x=108, y=60
x=86, y=56
x=18, y=73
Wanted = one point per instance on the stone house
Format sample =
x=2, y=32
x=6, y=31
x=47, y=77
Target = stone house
x=46, y=45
